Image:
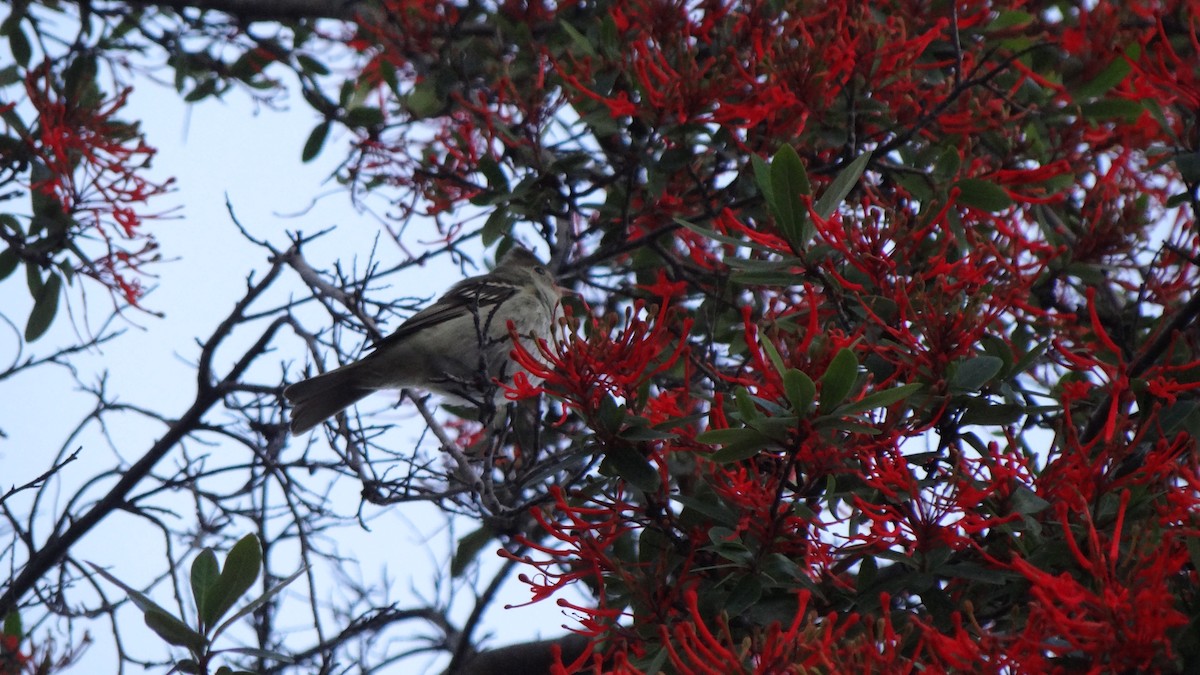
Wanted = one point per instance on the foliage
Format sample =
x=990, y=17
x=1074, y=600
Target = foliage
x=885, y=357
x=214, y=592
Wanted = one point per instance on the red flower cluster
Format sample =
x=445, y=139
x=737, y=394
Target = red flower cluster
x=88, y=171
x=899, y=419
x=12, y=661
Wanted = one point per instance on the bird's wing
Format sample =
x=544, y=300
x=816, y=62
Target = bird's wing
x=469, y=296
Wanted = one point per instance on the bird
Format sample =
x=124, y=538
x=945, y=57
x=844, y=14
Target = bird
x=456, y=347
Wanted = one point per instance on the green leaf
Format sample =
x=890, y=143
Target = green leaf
x=841, y=186
x=982, y=194
x=493, y=173
x=712, y=507
x=259, y=601
x=800, y=390
x=1112, y=75
x=19, y=44
x=174, y=631
x=762, y=177
x=1193, y=549
x=468, y=549
x=746, y=593
x=1026, y=502
x=242, y=567
x=839, y=379
x=947, y=164
x=652, y=545
x=1188, y=164
x=632, y=466
x=8, y=262
x=611, y=416
x=1112, y=108
x=973, y=373
x=640, y=432
x=138, y=598
x=423, y=101
x=578, y=39
x=745, y=403
x=773, y=355
x=789, y=182
x=879, y=399
x=985, y=413
x=363, y=117
x=12, y=625
x=310, y=65
x=45, y=306
x=205, y=573
x=316, y=140
x=740, y=450
x=498, y=225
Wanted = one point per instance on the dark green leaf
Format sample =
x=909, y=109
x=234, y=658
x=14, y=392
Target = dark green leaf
x=310, y=65
x=947, y=164
x=201, y=91
x=789, y=182
x=1026, y=502
x=652, y=545
x=879, y=399
x=242, y=567
x=985, y=413
x=747, y=592
x=611, y=416
x=45, y=306
x=976, y=572
x=982, y=194
x=423, y=101
x=316, y=140
x=498, y=224
x=259, y=601
x=713, y=508
x=578, y=39
x=640, y=432
x=800, y=390
x=781, y=569
x=762, y=176
x=259, y=654
x=1113, y=108
x=174, y=631
x=973, y=373
x=468, y=549
x=1173, y=416
x=1112, y=75
x=363, y=117
x=205, y=573
x=841, y=186
x=740, y=450
x=1193, y=548
x=1188, y=164
x=8, y=262
x=19, y=44
x=12, y=625
x=773, y=355
x=839, y=379
x=632, y=466
x=493, y=173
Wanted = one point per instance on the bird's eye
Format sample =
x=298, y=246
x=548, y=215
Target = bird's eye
x=540, y=270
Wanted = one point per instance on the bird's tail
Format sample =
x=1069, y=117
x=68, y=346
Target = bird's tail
x=318, y=398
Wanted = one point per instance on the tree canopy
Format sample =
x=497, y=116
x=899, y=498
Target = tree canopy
x=882, y=358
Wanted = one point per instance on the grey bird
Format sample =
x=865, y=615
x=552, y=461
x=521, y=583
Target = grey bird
x=455, y=347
